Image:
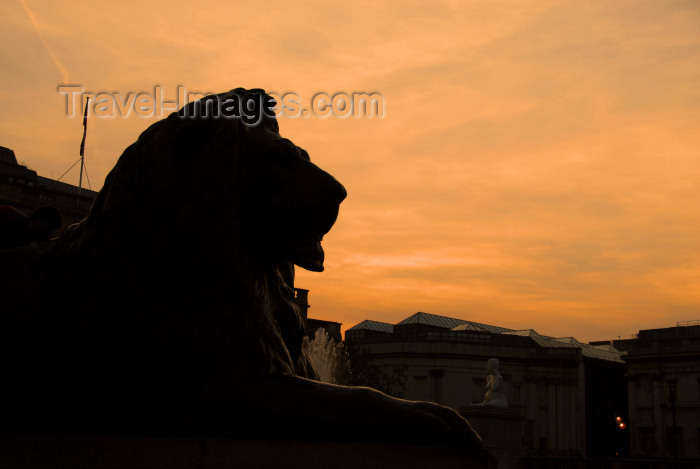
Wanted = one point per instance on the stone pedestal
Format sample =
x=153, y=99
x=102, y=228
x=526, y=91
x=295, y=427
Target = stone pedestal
x=219, y=453
x=504, y=431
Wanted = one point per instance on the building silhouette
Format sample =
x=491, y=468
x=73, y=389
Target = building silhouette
x=565, y=393
x=23, y=189
x=663, y=383
x=312, y=325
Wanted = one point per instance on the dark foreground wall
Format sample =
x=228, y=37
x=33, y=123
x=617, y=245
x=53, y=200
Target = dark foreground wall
x=215, y=453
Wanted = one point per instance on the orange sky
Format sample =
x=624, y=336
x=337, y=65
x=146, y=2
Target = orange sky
x=537, y=166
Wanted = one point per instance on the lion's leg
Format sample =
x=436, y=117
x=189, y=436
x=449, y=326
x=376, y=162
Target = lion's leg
x=319, y=410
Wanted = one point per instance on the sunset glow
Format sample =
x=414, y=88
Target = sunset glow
x=537, y=165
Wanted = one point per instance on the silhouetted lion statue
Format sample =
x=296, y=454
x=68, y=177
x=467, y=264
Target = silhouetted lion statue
x=170, y=309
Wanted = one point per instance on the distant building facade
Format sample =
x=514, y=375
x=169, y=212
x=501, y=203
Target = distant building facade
x=312, y=325
x=22, y=188
x=559, y=387
x=663, y=382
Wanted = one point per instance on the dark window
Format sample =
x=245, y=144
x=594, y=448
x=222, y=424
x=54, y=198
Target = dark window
x=478, y=389
x=647, y=445
x=420, y=388
x=542, y=396
x=516, y=394
x=669, y=449
x=436, y=376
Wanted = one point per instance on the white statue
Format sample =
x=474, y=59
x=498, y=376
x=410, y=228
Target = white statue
x=494, y=382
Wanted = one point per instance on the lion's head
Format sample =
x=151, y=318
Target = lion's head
x=209, y=177
x=186, y=260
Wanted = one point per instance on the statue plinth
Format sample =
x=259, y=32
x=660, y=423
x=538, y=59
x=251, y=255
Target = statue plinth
x=40, y=452
x=505, y=432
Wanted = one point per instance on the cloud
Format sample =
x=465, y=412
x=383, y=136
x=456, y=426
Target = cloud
x=47, y=47
x=537, y=166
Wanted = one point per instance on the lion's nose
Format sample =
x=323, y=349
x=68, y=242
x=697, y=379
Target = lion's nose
x=337, y=193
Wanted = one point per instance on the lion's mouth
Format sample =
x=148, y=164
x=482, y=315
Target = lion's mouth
x=299, y=230
x=304, y=248
x=299, y=240
x=307, y=253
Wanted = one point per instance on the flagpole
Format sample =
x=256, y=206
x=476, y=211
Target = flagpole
x=82, y=144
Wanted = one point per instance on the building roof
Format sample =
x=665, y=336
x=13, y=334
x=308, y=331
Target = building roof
x=541, y=340
x=433, y=320
x=475, y=326
x=453, y=324
x=377, y=326
x=601, y=352
x=7, y=156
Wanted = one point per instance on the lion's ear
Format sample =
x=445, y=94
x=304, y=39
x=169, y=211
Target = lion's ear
x=191, y=139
